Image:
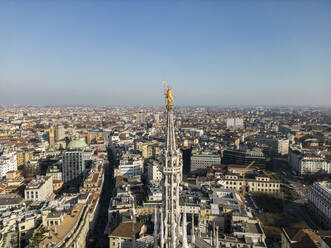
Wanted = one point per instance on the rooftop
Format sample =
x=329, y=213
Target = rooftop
x=61, y=231
x=125, y=229
x=37, y=183
x=76, y=144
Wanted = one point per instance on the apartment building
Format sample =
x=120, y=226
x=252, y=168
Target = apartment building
x=8, y=162
x=129, y=167
x=39, y=189
x=319, y=201
x=308, y=163
x=204, y=160
x=234, y=123
x=254, y=183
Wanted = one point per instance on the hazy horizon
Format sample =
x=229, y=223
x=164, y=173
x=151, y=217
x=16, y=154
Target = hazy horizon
x=224, y=53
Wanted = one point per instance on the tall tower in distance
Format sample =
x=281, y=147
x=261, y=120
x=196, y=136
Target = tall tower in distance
x=59, y=133
x=140, y=118
x=172, y=176
x=51, y=138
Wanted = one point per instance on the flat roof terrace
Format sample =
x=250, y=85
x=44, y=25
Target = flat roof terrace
x=65, y=228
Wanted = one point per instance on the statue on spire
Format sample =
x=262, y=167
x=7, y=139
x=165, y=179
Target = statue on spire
x=170, y=97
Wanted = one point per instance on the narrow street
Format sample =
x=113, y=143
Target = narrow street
x=98, y=239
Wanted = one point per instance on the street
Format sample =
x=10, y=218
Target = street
x=98, y=239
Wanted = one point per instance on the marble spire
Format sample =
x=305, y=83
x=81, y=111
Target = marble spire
x=155, y=234
x=172, y=176
x=184, y=232
x=192, y=233
x=161, y=230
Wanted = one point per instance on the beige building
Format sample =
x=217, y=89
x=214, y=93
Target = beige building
x=123, y=232
x=93, y=183
x=51, y=138
x=53, y=219
x=59, y=133
x=147, y=150
x=23, y=157
x=67, y=230
x=57, y=185
x=263, y=184
x=14, y=175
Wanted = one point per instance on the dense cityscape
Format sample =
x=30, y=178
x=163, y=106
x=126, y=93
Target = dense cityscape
x=88, y=176
x=165, y=124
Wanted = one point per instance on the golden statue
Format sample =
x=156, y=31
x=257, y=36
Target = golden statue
x=170, y=97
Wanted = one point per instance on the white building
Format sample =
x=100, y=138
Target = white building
x=8, y=162
x=234, y=123
x=277, y=145
x=154, y=174
x=305, y=164
x=129, y=167
x=204, y=161
x=319, y=200
x=283, y=146
x=154, y=193
x=39, y=189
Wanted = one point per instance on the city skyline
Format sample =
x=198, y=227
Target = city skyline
x=165, y=124
x=214, y=53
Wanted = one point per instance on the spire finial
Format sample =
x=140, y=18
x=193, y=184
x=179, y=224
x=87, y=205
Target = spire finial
x=170, y=97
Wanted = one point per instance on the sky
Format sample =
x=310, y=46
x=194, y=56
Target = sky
x=240, y=52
